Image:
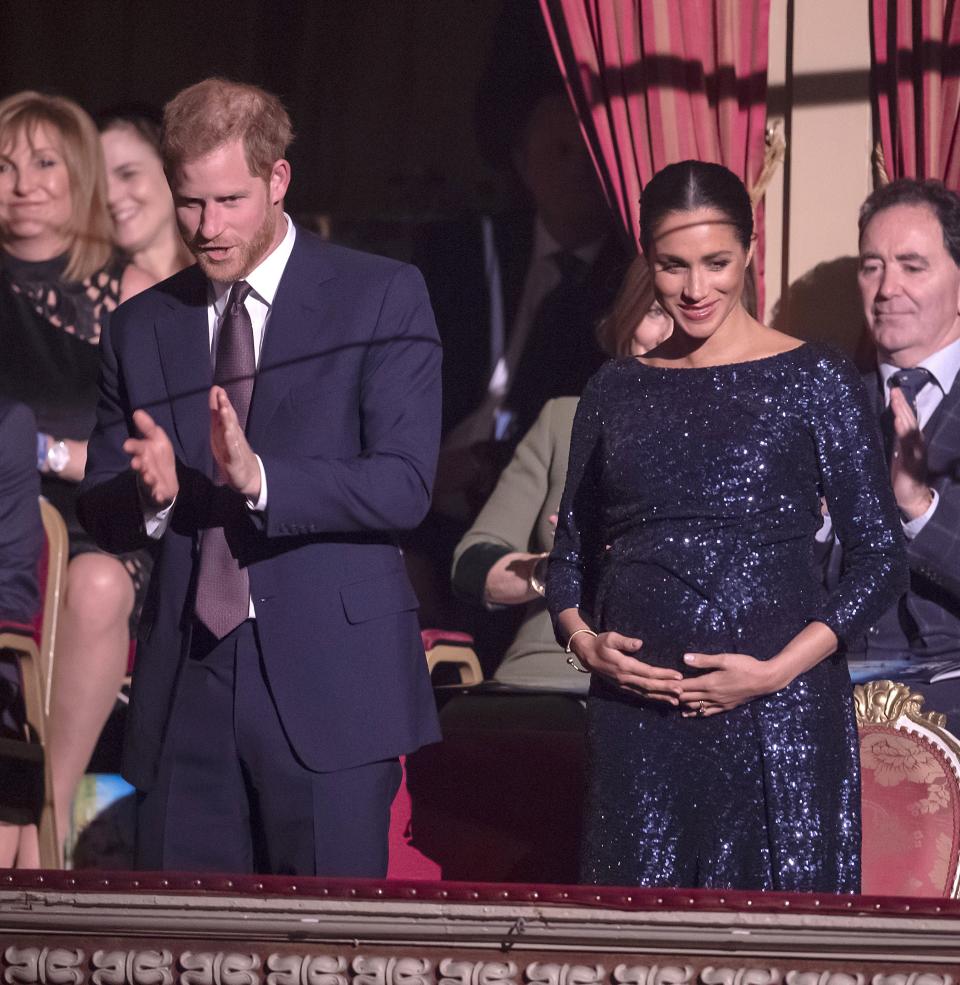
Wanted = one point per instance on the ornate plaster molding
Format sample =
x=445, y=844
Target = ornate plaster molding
x=70, y=966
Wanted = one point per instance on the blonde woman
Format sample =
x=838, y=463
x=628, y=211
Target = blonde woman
x=59, y=281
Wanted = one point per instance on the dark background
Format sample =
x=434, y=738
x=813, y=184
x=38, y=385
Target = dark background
x=382, y=93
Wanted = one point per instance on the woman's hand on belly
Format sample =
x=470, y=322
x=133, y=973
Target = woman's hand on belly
x=611, y=655
x=731, y=680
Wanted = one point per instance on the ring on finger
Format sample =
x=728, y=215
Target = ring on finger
x=700, y=709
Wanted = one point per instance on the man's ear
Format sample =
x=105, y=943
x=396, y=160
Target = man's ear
x=279, y=181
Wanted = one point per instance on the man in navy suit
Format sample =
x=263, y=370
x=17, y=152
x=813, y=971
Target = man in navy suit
x=267, y=419
x=909, y=280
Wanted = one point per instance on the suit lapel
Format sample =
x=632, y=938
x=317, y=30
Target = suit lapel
x=184, y=342
x=290, y=342
x=942, y=435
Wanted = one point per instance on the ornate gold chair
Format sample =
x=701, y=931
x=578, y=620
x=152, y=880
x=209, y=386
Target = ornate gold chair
x=910, y=770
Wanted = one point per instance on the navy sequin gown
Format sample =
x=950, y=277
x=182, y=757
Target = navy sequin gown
x=688, y=520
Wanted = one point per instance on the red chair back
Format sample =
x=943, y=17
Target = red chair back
x=910, y=777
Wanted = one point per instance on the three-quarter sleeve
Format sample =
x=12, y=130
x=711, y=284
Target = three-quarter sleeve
x=580, y=517
x=856, y=484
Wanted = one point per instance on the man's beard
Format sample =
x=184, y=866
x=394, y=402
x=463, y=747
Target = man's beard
x=244, y=257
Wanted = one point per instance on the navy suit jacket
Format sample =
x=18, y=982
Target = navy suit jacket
x=345, y=416
x=933, y=599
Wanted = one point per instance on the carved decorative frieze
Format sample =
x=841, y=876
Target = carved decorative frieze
x=66, y=966
x=132, y=968
x=740, y=976
x=392, y=971
x=454, y=972
x=642, y=974
x=44, y=965
x=219, y=968
x=565, y=974
x=304, y=969
x=917, y=978
x=823, y=978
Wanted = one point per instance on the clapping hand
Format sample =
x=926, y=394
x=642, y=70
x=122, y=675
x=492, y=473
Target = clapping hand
x=231, y=450
x=908, y=463
x=152, y=458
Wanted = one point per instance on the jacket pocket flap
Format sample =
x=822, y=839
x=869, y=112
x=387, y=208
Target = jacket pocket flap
x=380, y=595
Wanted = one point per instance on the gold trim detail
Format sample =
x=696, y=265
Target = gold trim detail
x=883, y=702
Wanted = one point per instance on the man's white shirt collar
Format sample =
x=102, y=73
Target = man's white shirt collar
x=944, y=364
x=264, y=279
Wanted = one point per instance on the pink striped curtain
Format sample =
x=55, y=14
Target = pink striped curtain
x=915, y=54
x=658, y=81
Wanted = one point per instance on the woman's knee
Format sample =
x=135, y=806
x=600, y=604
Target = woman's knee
x=99, y=586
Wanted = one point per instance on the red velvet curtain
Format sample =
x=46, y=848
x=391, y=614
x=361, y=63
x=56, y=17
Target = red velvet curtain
x=915, y=77
x=658, y=81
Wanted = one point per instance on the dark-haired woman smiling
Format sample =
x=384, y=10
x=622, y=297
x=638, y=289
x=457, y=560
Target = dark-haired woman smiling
x=138, y=196
x=685, y=541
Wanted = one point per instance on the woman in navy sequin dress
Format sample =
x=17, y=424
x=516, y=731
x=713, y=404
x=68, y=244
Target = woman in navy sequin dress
x=721, y=735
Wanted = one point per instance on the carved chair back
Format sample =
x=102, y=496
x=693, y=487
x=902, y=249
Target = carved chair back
x=910, y=774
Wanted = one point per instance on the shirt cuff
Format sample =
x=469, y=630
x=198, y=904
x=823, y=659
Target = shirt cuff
x=155, y=522
x=912, y=527
x=261, y=503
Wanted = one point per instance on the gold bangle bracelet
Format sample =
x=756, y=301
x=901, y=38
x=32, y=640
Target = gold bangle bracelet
x=572, y=660
x=572, y=637
x=536, y=581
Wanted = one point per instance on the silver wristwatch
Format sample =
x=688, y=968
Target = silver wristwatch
x=58, y=456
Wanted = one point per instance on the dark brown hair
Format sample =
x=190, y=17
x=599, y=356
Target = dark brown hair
x=691, y=185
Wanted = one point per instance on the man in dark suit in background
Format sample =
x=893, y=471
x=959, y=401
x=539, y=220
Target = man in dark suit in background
x=268, y=418
x=21, y=541
x=909, y=280
x=518, y=295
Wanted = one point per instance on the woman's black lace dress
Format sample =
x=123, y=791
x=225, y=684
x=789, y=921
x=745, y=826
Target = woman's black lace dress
x=688, y=520
x=50, y=360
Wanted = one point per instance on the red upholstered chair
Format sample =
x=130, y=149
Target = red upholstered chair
x=34, y=646
x=499, y=798
x=444, y=648
x=910, y=769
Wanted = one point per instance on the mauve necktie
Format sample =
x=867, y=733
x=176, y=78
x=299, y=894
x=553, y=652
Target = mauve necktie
x=223, y=587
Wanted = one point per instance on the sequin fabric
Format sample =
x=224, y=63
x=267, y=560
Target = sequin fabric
x=688, y=520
